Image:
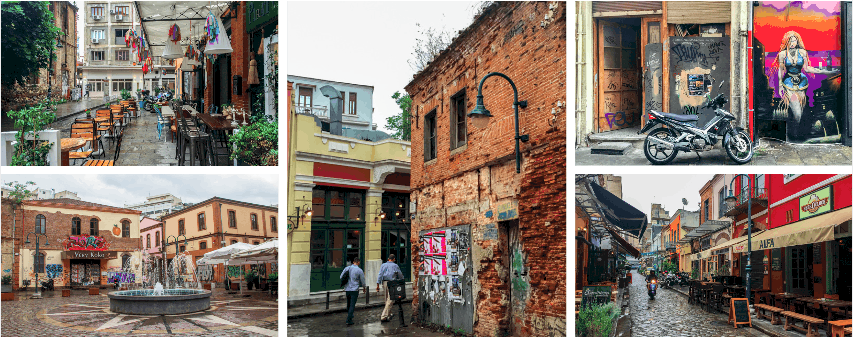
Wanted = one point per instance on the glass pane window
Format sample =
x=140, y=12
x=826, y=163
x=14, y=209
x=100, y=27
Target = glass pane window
x=355, y=205
x=336, y=259
x=336, y=205
x=93, y=227
x=318, y=203
x=336, y=239
x=75, y=226
x=318, y=239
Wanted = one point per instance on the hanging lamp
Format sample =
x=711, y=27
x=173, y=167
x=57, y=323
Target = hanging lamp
x=217, y=39
x=173, y=42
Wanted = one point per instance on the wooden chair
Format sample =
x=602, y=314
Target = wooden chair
x=86, y=131
x=106, y=124
x=716, y=296
x=98, y=162
x=810, y=324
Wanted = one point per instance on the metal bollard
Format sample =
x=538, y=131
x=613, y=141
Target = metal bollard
x=327, y=300
x=367, y=297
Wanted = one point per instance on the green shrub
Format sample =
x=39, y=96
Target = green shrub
x=597, y=321
x=125, y=94
x=7, y=279
x=257, y=144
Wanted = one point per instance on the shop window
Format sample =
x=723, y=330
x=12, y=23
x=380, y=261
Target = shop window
x=93, y=226
x=122, y=84
x=201, y=225
x=232, y=219
x=318, y=203
x=458, y=130
x=41, y=224
x=273, y=224
x=337, y=204
x=125, y=229
x=429, y=136
x=254, y=219
x=202, y=245
x=75, y=226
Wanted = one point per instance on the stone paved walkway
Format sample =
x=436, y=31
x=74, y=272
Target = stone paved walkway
x=85, y=315
x=670, y=315
x=366, y=324
x=140, y=146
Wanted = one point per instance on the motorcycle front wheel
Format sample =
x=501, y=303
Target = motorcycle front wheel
x=656, y=155
x=739, y=147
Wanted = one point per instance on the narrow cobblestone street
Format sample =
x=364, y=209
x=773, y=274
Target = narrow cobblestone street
x=670, y=315
x=366, y=324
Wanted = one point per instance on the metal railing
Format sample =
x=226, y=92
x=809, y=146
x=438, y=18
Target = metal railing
x=316, y=110
x=744, y=195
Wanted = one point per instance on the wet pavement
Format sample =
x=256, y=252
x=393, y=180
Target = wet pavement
x=86, y=315
x=366, y=324
x=670, y=315
x=767, y=152
x=65, y=113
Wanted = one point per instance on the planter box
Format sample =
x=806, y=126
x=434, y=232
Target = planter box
x=66, y=292
x=6, y=288
x=7, y=297
x=94, y=291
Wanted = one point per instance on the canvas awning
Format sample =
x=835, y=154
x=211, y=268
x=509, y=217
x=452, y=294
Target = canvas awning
x=812, y=230
x=265, y=252
x=222, y=255
x=706, y=227
x=624, y=244
x=158, y=16
x=619, y=212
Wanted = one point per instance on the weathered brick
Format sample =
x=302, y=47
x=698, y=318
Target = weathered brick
x=461, y=186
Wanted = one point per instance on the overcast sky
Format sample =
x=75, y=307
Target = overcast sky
x=366, y=43
x=120, y=189
x=642, y=190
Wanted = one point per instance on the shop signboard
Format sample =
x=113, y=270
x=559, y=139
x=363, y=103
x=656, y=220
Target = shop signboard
x=88, y=254
x=816, y=203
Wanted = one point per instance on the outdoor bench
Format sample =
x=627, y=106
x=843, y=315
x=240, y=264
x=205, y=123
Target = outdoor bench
x=810, y=324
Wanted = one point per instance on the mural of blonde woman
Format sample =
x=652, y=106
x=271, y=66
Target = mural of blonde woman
x=793, y=64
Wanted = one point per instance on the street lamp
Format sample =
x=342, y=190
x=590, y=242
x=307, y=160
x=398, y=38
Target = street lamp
x=301, y=213
x=166, y=248
x=480, y=113
x=731, y=201
x=35, y=258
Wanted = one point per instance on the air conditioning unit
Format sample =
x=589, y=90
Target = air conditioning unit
x=119, y=17
x=96, y=17
x=96, y=41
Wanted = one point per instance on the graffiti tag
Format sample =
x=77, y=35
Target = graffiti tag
x=691, y=110
x=619, y=118
x=689, y=53
x=85, y=242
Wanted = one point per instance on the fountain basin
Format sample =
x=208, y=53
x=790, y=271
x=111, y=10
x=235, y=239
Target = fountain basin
x=172, y=302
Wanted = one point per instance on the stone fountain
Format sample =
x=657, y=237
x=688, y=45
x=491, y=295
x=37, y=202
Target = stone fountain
x=181, y=295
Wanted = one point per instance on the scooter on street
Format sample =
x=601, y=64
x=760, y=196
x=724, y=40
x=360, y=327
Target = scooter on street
x=670, y=133
x=652, y=287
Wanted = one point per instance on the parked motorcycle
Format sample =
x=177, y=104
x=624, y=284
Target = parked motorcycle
x=652, y=287
x=679, y=133
x=683, y=279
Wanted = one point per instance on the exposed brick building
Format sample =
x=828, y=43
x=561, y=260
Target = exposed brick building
x=70, y=258
x=495, y=260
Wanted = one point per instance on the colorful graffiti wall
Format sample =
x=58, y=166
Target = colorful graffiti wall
x=797, y=68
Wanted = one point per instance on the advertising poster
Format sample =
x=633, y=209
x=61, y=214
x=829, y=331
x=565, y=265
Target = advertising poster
x=454, y=263
x=453, y=241
x=427, y=244
x=454, y=293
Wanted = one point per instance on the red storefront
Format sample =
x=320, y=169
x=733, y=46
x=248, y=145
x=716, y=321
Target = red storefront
x=801, y=234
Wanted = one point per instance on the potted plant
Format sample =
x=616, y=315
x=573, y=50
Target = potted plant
x=250, y=279
x=125, y=94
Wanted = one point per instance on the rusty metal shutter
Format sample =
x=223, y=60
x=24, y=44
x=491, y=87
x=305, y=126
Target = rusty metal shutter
x=599, y=7
x=698, y=11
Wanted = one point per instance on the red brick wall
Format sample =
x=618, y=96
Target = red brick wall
x=460, y=187
x=239, y=62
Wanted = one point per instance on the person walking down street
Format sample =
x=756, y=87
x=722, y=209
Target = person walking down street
x=355, y=280
x=389, y=271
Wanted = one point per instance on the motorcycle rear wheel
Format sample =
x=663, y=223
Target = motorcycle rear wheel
x=743, y=154
x=655, y=155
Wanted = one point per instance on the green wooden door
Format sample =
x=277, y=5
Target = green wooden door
x=332, y=250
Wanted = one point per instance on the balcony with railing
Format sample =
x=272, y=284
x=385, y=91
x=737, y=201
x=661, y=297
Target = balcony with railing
x=743, y=199
x=316, y=110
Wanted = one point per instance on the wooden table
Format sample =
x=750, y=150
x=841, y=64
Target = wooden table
x=191, y=109
x=68, y=145
x=216, y=123
x=845, y=306
x=167, y=111
x=786, y=299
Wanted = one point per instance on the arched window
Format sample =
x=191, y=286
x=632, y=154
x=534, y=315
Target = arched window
x=124, y=259
x=157, y=239
x=39, y=263
x=201, y=225
x=41, y=224
x=148, y=241
x=93, y=226
x=125, y=229
x=75, y=226
x=233, y=241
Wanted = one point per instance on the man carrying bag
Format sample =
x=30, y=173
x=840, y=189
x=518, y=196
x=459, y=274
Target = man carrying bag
x=389, y=271
x=352, y=278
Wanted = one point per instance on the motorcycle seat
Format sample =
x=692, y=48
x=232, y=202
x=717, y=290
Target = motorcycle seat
x=681, y=118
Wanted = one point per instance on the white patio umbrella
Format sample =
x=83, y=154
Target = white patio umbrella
x=222, y=255
x=266, y=252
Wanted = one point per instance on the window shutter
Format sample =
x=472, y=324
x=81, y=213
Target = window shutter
x=681, y=12
x=600, y=7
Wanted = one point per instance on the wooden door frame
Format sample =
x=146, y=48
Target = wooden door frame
x=644, y=40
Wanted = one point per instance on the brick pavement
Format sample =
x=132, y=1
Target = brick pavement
x=366, y=324
x=230, y=315
x=670, y=315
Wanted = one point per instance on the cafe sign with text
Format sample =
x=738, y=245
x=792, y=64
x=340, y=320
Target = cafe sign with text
x=815, y=203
